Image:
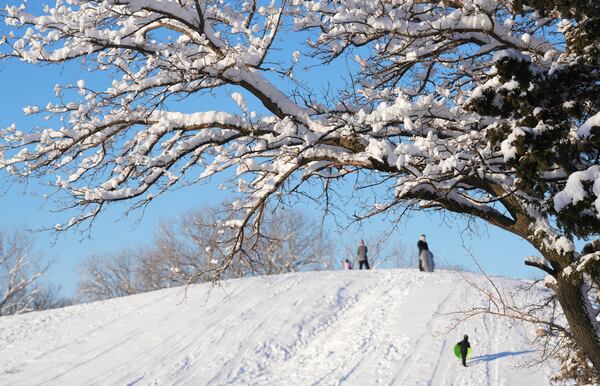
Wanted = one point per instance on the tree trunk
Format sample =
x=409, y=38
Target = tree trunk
x=574, y=306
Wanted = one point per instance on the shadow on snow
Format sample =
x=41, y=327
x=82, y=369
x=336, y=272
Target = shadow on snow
x=493, y=357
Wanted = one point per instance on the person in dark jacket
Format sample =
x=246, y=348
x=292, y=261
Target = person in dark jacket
x=464, y=349
x=426, y=262
x=362, y=255
x=422, y=245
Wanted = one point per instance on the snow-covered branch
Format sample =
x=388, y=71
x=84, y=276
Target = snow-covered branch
x=430, y=105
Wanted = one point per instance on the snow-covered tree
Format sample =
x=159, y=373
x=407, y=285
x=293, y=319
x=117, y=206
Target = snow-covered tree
x=19, y=275
x=487, y=108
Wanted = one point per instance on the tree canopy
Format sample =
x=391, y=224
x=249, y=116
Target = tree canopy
x=488, y=108
x=466, y=104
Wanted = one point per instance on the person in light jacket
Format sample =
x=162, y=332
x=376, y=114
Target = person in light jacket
x=347, y=264
x=362, y=255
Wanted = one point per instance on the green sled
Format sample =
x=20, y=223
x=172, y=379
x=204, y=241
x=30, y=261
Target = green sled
x=457, y=351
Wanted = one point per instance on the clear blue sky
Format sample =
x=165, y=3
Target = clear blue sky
x=498, y=252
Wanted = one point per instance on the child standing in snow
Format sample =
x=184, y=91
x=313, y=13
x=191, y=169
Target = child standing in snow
x=464, y=349
x=347, y=264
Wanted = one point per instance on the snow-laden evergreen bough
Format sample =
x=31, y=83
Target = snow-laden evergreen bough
x=488, y=108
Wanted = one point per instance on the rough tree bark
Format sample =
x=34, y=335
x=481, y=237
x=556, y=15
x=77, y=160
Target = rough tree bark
x=575, y=307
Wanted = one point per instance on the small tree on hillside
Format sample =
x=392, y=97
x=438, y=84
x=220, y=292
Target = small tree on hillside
x=487, y=108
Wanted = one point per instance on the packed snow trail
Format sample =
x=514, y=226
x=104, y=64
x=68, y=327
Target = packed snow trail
x=379, y=327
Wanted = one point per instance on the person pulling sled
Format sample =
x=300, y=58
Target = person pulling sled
x=425, y=256
x=464, y=347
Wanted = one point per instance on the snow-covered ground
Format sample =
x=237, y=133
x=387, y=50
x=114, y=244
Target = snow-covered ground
x=382, y=327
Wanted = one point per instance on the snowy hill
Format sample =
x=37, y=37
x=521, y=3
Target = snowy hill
x=385, y=327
